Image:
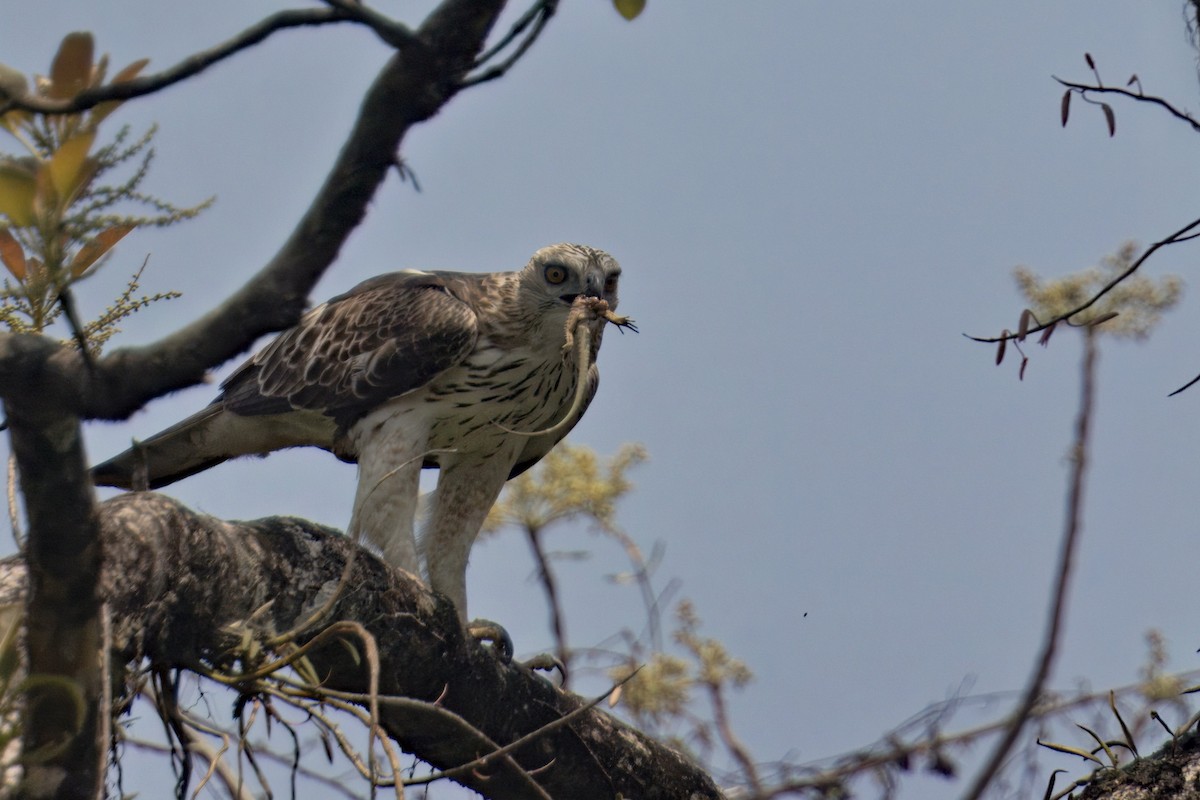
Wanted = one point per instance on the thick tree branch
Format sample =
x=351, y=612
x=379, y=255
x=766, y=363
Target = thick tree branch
x=198, y=577
x=61, y=732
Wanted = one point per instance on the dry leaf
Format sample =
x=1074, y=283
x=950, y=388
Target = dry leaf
x=12, y=254
x=100, y=244
x=71, y=71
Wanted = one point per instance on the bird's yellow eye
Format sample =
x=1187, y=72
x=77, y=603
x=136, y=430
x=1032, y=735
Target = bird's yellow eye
x=555, y=274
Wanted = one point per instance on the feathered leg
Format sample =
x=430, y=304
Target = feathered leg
x=466, y=490
x=385, y=503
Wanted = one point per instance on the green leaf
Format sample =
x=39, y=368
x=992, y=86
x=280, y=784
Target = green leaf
x=67, y=164
x=629, y=9
x=17, y=189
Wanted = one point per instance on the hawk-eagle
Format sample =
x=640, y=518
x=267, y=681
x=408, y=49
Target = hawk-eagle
x=407, y=370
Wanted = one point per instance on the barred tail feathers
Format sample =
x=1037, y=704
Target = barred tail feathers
x=205, y=439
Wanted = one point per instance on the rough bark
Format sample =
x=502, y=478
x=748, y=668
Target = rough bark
x=175, y=580
x=1173, y=773
x=60, y=739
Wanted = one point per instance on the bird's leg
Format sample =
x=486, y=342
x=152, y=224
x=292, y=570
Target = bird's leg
x=385, y=502
x=466, y=490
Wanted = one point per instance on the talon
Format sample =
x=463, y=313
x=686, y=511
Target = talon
x=547, y=662
x=484, y=630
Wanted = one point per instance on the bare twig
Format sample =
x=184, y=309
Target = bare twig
x=550, y=585
x=388, y=29
x=1073, y=525
x=14, y=513
x=1083, y=89
x=67, y=301
x=487, y=758
x=732, y=743
x=198, y=62
x=538, y=15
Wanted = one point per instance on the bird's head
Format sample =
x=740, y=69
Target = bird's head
x=557, y=274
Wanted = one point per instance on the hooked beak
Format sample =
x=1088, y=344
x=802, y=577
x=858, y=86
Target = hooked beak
x=593, y=286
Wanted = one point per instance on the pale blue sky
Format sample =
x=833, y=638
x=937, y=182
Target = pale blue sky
x=811, y=202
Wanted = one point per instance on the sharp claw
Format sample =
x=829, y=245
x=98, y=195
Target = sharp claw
x=484, y=630
x=547, y=662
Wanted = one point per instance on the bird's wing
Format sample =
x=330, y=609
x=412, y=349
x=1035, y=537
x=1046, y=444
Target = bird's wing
x=384, y=338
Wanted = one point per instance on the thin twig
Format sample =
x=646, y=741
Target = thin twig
x=732, y=743
x=218, y=766
x=14, y=513
x=516, y=30
x=550, y=586
x=485, y=759
x=539, y=15
x=196, y=63
x=1083, y=88
x=1073, y=525
x=891, y=750
x=1181, y=235
x=389, y=30
x=67, y=301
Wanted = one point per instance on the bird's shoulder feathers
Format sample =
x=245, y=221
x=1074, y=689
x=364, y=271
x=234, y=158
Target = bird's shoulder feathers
x=387, y=336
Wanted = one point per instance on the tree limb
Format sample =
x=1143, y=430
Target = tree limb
x=1083, y=88
x=196, y=63
x=200, y=578
x=61, y=738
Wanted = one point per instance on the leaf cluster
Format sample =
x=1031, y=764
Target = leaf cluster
x=1130, y=310
x=571, y=482
x=665, y=693
x=59, y=220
